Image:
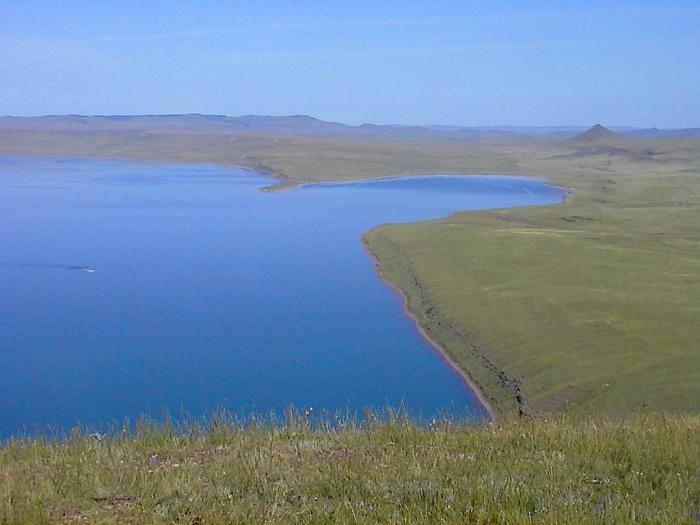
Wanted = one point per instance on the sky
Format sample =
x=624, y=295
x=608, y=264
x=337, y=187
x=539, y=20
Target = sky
x=409, y=62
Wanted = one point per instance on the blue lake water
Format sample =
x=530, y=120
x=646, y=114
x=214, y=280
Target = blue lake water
x=207, y=293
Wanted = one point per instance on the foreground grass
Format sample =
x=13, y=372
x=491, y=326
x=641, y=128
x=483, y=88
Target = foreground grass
x=641, y=469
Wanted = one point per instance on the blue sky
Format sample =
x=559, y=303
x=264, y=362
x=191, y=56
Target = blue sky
x=410, y=62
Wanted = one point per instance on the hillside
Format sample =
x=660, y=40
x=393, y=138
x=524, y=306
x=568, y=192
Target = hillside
x=597, y=134
x=586, y=307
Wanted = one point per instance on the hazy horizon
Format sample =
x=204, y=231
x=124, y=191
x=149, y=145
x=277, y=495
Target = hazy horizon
x=429, y=125
x=411, y=63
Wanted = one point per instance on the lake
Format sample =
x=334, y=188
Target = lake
x=130, y=288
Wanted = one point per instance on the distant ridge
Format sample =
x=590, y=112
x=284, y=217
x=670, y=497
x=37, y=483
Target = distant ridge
x=664, y=133
x=311, y=126
x=597, y=133
x=288, y=124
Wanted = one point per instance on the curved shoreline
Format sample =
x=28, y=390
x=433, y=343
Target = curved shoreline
x=468, y=381
x=466, y=378
x=283, y=183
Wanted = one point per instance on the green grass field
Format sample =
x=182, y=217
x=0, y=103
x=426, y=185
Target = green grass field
x=590, y=307
x=638, y=469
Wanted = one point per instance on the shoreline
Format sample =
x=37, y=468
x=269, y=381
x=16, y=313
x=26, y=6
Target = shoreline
x=466, y=378
x=280, y=182
x=442, y=353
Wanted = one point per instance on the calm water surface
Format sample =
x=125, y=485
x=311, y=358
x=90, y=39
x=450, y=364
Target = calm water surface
x=207, y=293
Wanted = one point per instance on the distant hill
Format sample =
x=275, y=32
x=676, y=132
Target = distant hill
x=307, y=125
x=291, y=124
x=596, y=134
x=602, y=141
x=188, y=122
x=652, y=133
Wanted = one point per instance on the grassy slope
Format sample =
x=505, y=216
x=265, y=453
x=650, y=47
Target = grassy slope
x=594, y=314
x=642, y=469
x=591, y=306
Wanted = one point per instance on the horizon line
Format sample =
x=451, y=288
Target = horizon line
x=305, y=115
